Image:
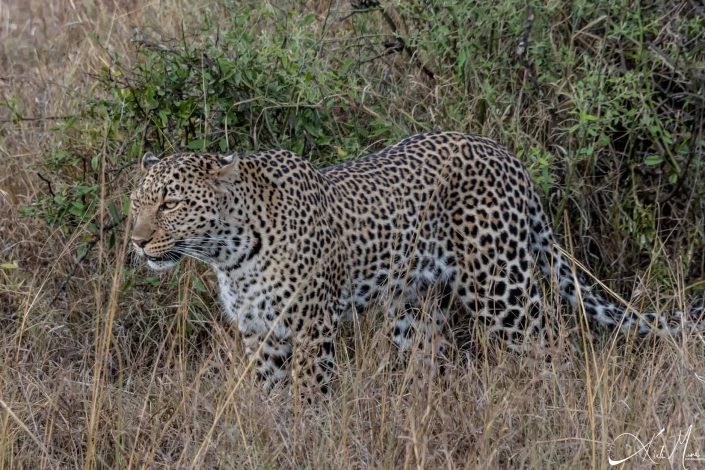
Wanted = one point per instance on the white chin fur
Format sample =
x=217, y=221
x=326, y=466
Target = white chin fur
x=160, y=265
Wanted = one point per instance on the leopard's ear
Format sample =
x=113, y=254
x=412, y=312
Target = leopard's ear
x=225, y=164
x=226, y=160
x=148, y=160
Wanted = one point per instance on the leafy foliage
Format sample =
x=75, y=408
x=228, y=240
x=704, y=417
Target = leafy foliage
x=602, y=100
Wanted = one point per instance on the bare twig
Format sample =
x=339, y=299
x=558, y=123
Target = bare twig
x=323, y=29
x=520, y=50
x=38, y=118
x=355, y=12
x=399, y=44
x=392, y=47
x=411, y=50
x=154, y=46
x=89, y=247
x=522, y=47
x=48, y=183
x=685, y=171
x=361, y=6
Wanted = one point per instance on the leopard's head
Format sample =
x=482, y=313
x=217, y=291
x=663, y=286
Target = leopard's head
x=177, y=207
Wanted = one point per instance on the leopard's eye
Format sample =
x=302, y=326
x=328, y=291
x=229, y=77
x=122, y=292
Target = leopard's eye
x=169, y=205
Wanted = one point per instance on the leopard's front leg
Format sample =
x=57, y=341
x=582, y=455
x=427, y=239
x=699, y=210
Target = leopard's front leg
x=313, y=362
x=270, y=354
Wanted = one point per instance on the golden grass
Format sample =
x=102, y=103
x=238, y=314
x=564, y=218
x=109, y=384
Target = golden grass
x=123, y=379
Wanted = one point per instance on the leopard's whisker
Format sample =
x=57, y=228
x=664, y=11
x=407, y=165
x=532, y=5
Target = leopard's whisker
x=206, y=239
x=191, y=254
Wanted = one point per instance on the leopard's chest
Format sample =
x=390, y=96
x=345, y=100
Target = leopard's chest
x=247, y=301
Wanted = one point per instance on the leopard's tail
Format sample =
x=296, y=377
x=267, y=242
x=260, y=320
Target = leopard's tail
x=598, y=309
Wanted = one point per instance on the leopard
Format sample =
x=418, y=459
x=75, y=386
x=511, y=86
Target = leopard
x=297, y=250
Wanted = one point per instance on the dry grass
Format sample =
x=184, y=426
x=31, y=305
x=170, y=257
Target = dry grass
x=119, y=378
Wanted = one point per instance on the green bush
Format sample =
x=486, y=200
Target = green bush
x=603, y=102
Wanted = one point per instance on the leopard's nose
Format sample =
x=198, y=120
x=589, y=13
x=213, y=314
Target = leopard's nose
x=140, y=242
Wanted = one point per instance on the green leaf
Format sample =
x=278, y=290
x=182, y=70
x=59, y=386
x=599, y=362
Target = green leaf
x=10, y=265
x=307, y=20
x=197, y=284
x=462, y=58
x=128, y=284
x=164, y=117
x=77, y=208
x=653, y=160
x=197, y=144
x=82, y=251
x=126, y=204
x=114, y=212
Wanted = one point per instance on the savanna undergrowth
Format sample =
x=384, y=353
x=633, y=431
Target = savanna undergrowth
x=105, y=364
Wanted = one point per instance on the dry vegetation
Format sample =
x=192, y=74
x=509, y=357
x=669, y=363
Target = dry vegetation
x=103, y=365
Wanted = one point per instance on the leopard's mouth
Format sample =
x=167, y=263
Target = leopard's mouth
x=168, y=257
